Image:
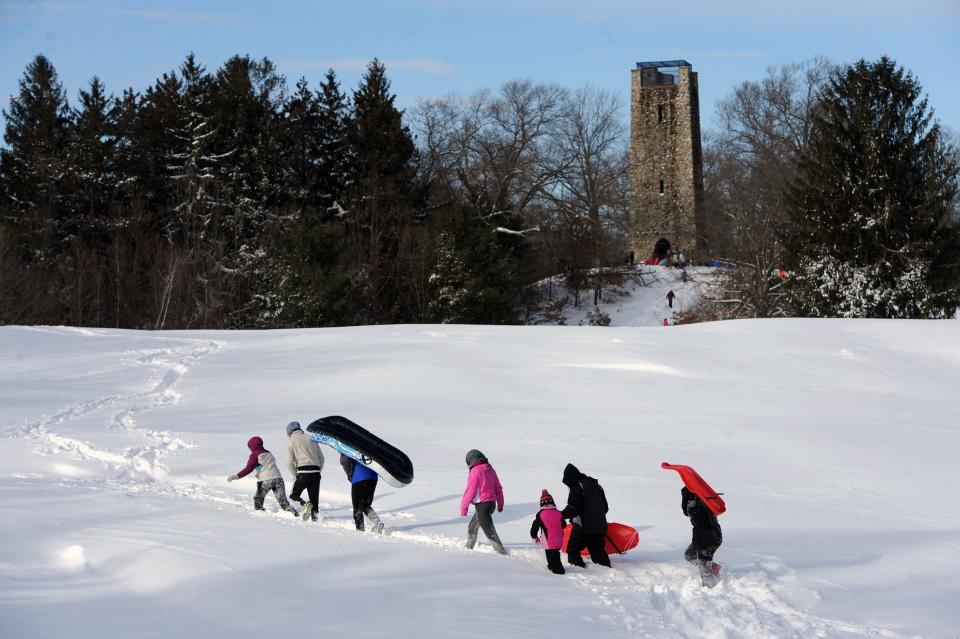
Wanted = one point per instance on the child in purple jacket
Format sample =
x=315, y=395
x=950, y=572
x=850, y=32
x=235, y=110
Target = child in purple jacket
x=268, y=474
x=484, y=492
x=547, y=530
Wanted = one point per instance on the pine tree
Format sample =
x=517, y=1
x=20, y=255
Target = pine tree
x=381, y=201
x=334, y=169
x=870, y=231
x=93, y=140
x=33, y=166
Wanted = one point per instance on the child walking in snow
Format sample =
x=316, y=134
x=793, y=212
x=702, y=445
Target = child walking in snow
x=305, y=463
x=547, y=530
x=262, y=461
x=363, y=484
x=484, y=492
x=707, y=537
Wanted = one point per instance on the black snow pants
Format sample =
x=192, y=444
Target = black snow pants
x=594, y=543
x=553, y=561
x=361, y=493
x=311, y=483
x=276, y=485
x=483, y=518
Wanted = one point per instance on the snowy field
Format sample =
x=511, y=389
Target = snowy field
x=835, y=444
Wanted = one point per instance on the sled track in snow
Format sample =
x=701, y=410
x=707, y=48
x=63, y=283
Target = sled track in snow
x=653, y=599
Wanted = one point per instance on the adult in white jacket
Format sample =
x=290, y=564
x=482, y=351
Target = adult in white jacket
x=304, y=460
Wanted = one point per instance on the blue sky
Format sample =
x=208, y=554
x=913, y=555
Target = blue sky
x=436, y=47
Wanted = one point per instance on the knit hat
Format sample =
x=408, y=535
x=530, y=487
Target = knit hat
x=474, y=457
x=546, y=499
x=292, y=426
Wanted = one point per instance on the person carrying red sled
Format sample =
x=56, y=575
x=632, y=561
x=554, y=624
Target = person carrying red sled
x=547, y=530
x=484, y=492
x=707, y=537
x=268, y=475
x=587, y=511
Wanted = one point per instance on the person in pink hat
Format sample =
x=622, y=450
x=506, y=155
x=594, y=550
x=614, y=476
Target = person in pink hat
x=547, y=530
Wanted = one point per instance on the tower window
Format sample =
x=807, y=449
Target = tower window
x=659, y=113
x=661, y=187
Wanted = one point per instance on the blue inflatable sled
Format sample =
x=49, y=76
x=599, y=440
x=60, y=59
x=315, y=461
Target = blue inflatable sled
x=364, y=447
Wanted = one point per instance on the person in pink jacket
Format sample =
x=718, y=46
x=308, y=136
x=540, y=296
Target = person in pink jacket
x=484, y=492
x=547, y=530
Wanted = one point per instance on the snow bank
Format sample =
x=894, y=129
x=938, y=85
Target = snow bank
x=833, y=442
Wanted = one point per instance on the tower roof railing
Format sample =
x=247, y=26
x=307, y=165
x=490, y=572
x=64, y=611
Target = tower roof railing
x=659, y=64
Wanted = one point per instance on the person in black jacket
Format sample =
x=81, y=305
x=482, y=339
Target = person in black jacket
x=587, y=510
x=707, y=537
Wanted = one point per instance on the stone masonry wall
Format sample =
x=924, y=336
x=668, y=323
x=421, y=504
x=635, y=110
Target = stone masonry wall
x=670, y=151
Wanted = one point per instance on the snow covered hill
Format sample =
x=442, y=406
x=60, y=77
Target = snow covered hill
x=834, y=442
x=639, y=300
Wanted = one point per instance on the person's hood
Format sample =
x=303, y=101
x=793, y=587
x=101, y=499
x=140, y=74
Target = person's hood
x=255, y=444
x=571, y=475
x=475, y=457
x=292, y=427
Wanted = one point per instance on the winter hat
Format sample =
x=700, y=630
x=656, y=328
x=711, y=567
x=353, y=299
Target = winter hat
x=546, y=499
x=292, y=426
x=474, y=457
x=255, y=444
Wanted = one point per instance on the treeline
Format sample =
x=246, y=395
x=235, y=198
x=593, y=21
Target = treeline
x=228, y=200
x=834, y=192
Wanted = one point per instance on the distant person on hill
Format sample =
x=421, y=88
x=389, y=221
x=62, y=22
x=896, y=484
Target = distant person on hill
x=269, y=478
x=305, y=462
x=547, y=530
x=670, y=296
x=484, y=492
x=587, y=511
x=363, y=484
x=707, y=537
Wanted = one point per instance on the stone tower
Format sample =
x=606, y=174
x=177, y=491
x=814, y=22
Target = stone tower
x=666, y=160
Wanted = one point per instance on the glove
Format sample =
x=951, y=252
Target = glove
x=232, y=477
x=499, y=509
x=536, y=540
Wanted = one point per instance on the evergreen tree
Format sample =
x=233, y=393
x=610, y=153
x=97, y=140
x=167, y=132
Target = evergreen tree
x=870, y=230
x=93, y=140
x=334, y=170
x=33, y=166
x=381, y=201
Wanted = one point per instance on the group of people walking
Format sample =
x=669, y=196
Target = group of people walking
x=305, y=462
x=586, y=508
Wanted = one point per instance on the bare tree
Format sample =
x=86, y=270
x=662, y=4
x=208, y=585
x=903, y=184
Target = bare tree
x=587, y=194
x=494, y=149
x=747, y=166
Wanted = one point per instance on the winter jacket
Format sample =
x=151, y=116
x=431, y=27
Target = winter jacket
x=706, y=528
x=356, y=473
x=549, y=521
x=303, y=454
x=482, y=485
x=261, y=460
x=586, y=503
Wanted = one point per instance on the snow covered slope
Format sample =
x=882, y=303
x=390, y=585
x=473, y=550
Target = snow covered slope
x=834, y=442
x=638, y=301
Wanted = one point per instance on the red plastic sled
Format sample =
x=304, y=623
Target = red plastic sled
x=620, y=538
x=698, y=487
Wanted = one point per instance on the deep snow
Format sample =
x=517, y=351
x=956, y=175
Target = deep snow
x=834, y=443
